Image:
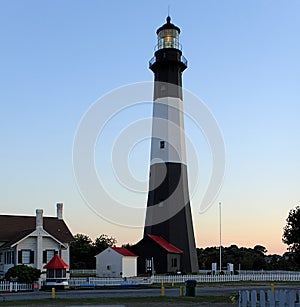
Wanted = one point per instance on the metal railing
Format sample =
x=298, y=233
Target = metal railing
x=183, y=60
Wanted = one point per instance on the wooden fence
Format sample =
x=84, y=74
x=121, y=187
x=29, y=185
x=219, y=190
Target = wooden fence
x=268, y=298
x=6, y=286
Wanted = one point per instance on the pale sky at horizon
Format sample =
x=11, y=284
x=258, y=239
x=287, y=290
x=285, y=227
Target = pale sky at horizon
x=59, y=57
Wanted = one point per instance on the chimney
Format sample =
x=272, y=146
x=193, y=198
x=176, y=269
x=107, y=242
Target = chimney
x=59, y=210
x=39, y=218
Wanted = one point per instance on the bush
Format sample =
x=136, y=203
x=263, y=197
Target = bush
x=23, y=273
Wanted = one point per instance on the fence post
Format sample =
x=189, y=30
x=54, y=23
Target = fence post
x=282, y=298
x=262, y=298
x=253, y=298
x=10, y=287
x=291, y=298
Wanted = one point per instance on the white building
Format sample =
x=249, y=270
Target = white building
x=33, y=240
x=116, y=262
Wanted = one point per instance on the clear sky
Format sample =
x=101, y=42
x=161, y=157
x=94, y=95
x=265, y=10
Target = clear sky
x=59, y=57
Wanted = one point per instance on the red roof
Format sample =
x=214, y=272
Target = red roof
x=56, y=263
x=123, y=251
x=165, y=244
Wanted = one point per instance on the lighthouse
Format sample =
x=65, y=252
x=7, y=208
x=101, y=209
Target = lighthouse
x=168, y=214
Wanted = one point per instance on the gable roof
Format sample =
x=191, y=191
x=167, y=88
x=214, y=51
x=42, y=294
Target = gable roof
x=123, y=251
x=13, y=228
x=165, y=244
x=56, y=263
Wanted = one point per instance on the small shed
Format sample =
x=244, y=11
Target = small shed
x=116, y=262
x=157, y=255
x=56, y=274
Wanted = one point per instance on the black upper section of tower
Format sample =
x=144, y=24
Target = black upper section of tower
x=168, y=62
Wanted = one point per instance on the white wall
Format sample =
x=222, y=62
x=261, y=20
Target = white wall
x=109, y=263
x=129, y=266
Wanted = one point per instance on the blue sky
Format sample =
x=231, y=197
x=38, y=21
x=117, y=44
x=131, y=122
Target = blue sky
x=58, y=57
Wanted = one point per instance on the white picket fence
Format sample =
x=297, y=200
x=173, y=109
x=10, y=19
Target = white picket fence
x=228, y=278
x=96, y=281
x=6, y=286
x=268, y=298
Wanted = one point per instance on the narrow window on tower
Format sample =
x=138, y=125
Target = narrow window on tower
x=162, y=144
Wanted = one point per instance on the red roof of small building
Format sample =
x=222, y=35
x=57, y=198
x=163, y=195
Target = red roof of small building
x=165, y=244
x=56, y=263
x=123, y=251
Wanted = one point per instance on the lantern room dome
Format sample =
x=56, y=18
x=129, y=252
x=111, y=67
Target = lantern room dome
x=168, y=25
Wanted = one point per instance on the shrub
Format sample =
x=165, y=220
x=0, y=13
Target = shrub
x=23, y=273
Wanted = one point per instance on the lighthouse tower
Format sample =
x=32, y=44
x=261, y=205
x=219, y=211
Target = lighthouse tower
x=168, y=212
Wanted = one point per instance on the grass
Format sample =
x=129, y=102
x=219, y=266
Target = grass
x=114, y=300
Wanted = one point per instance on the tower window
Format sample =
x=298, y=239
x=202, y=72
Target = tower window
x=162, y=144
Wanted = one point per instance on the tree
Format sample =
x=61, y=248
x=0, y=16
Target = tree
x=261, y=250
x=23, y=273
x=291, y=231
x=81, y=255
x=102, y=242
x=83, y=250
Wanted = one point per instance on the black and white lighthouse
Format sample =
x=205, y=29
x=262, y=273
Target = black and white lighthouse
x=168, y=207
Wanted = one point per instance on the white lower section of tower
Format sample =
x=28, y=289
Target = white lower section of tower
x=168, y=137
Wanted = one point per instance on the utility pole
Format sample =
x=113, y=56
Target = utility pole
x=220, y=249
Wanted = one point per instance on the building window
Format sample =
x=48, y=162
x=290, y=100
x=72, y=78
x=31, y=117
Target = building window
x=174, y=262
x=26, y=256
x=162, y=144
x=1, y=257
x=9, y=257
x=48, y=255
x=108, y=267
x=148, y=265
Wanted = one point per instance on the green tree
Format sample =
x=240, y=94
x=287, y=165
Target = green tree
x=291, y=233
x=102, y=242
x=81, y=254
x=83, y=250
x=23, y=274
x=261, y=250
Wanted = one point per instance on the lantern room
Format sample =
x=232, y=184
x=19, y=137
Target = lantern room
x=168, y=36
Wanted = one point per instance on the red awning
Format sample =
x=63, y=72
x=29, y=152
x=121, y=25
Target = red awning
x=56, y=263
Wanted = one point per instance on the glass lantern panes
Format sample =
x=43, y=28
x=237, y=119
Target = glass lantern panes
x=168, y=38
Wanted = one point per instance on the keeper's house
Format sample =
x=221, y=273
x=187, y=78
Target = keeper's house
x=33, y=240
